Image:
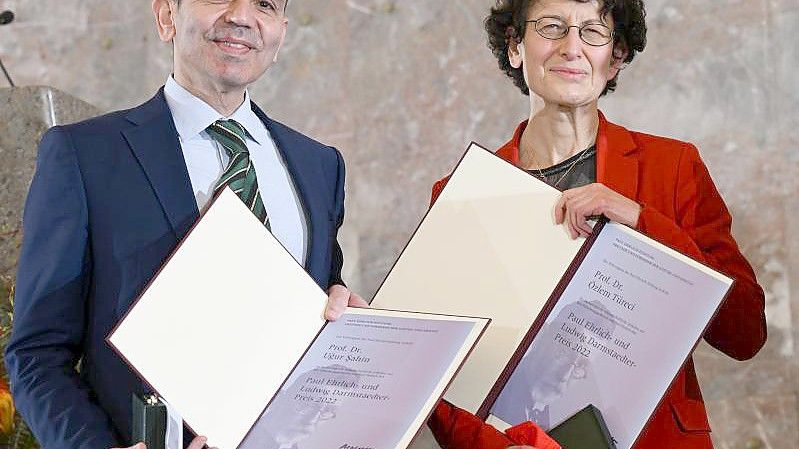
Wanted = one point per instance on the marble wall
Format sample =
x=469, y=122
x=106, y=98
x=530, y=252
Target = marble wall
x=25, y=114
x=402, y=86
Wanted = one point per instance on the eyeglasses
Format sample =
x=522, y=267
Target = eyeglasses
x=554, y=28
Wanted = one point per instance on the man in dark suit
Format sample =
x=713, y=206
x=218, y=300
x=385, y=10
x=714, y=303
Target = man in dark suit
x=112, y=197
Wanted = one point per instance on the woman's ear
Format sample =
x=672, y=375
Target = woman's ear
x=515, y=51
x=617, y=60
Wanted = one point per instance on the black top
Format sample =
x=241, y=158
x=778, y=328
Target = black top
x=576, y=171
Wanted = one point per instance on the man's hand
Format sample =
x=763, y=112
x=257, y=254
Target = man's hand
x=196, y=443
x=576, y=205
x=339, y=298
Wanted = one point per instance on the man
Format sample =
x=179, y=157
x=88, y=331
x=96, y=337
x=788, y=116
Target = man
x=113, y=196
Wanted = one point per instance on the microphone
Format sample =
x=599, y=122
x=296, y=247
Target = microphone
x=6, y=17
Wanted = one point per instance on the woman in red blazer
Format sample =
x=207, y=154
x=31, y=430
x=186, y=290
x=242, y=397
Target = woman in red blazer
x=569, y=53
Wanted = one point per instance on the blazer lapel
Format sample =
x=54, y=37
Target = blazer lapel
x=154, y=142
x=305, y=172
x=617, y=160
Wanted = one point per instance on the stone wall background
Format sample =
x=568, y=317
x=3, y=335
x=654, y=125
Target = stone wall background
x=401, y=88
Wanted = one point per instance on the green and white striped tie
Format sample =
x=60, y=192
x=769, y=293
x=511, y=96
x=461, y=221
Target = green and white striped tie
x=240, y=173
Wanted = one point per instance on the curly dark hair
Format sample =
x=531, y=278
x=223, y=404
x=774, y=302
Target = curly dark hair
x=507, y=21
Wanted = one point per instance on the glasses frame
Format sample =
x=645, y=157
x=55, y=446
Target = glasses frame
x=568, y=29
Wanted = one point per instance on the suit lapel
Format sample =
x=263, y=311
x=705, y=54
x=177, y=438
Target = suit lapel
x=306, y=173
x=154, y=142
x=617, y=158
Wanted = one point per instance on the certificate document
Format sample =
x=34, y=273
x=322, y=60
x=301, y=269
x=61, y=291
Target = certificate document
x=624, y=320
x=369, y=380
x=231, y=319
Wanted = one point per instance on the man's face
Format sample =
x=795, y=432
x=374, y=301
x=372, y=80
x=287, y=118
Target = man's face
x=227, y=44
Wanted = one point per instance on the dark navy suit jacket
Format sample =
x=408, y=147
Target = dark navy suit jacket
x=110, y=200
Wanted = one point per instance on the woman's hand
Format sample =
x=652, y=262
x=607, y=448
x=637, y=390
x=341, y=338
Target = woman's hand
x=576, y=205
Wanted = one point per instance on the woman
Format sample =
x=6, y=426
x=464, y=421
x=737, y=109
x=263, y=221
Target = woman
x=569, y=53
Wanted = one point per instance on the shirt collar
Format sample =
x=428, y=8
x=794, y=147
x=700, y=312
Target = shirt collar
x=193, y=115
x=250, y=121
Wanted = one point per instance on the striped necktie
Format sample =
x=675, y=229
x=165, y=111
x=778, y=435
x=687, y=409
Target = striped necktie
x=240, y=173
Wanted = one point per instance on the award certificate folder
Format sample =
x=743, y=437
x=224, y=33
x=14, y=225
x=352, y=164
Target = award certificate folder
x=627, y=309
x=622, y=322
x=488, y=247
x=230, y=332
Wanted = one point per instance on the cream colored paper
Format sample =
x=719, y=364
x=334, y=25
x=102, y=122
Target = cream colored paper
x=488, y=247
x=229, y=288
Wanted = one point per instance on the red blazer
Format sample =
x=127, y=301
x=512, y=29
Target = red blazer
x=680, y=207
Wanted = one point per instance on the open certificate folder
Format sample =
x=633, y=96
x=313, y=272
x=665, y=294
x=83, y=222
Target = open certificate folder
x=606, y=321
x=230, y=333
x=621, y=323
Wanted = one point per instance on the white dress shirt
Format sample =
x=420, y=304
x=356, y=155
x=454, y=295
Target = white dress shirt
x=206, y=161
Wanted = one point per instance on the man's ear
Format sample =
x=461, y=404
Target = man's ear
x=282, y=38
x=164, y=12
x=617, y=63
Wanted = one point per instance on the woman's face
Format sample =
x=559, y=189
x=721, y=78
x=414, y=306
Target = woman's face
x=567, y=72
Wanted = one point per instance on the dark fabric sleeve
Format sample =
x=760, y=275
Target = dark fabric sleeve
x=50, y=307
x=337, y=257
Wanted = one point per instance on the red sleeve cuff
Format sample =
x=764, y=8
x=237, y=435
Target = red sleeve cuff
x=528, y=433
x=455, y=428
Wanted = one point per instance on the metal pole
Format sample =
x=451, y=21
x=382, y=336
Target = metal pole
x=6, y=17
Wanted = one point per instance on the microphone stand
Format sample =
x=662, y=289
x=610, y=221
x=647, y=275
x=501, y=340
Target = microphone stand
x=6, y=17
